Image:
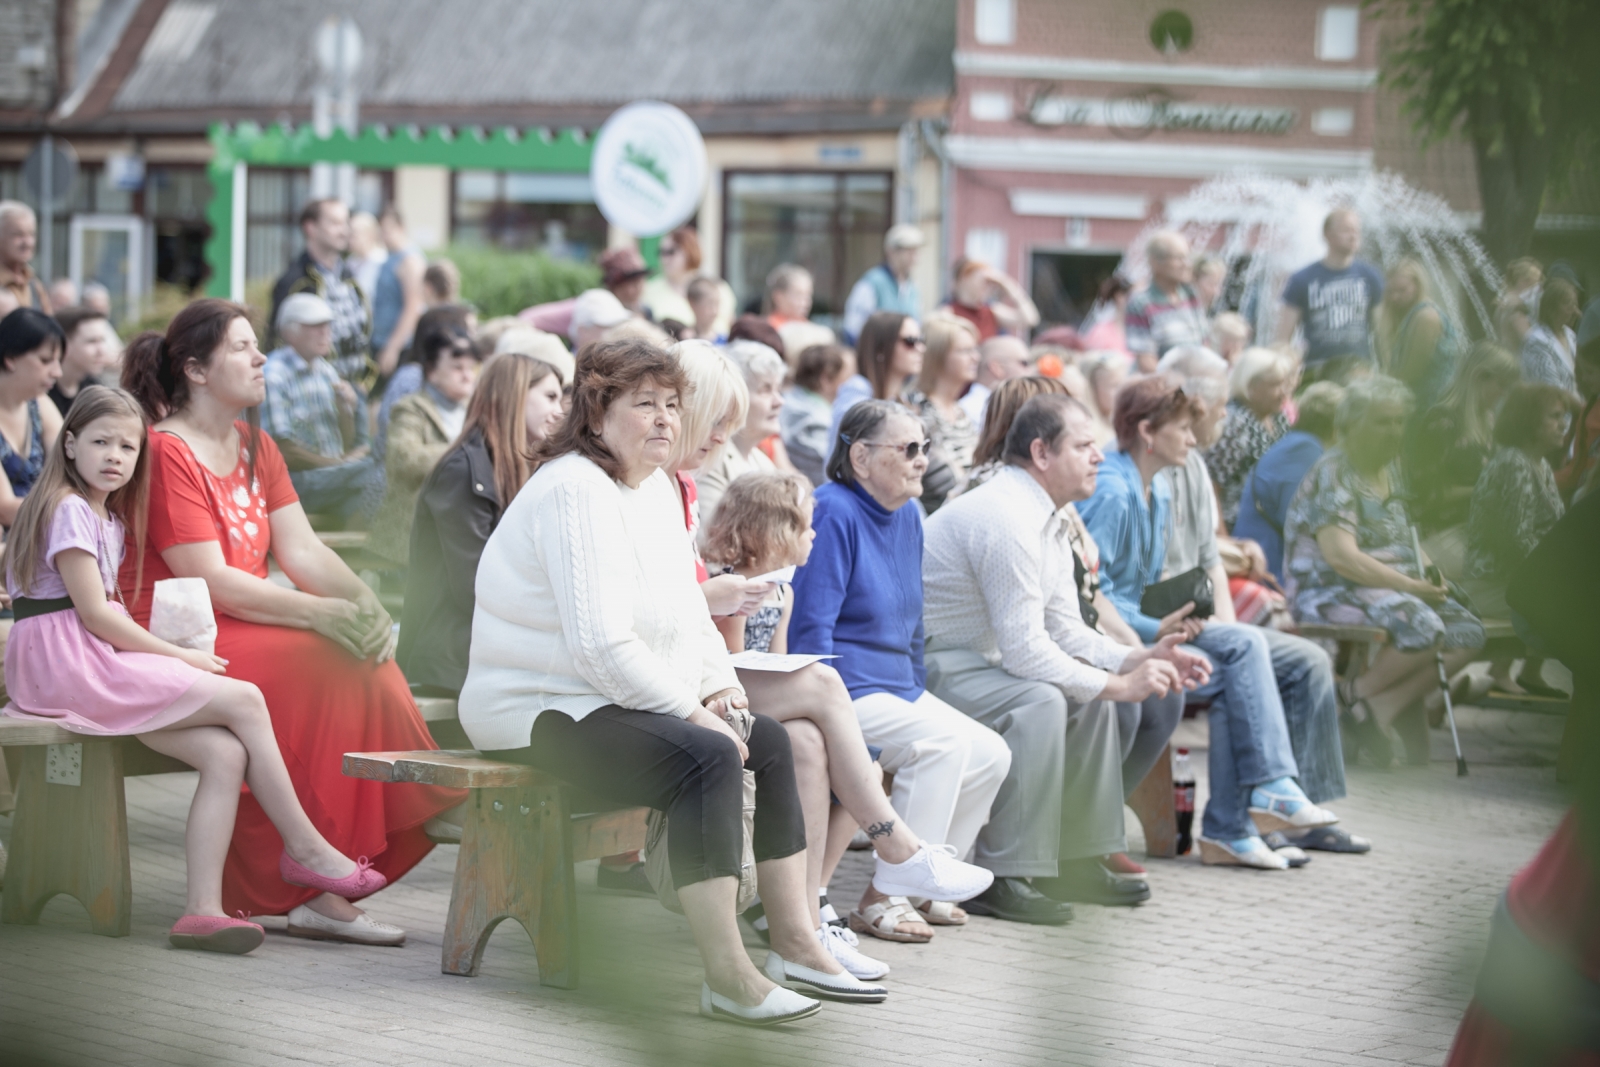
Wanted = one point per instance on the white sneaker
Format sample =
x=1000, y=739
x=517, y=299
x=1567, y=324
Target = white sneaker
x=362, y=930
x=841, y=945
x=842, y=986
x=933, y=872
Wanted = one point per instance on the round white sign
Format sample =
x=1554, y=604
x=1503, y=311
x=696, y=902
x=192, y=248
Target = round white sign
x=648, y=168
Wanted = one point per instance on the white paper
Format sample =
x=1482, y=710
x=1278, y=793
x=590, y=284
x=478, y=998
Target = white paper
x=782, y=574
x=772, y=661
x=181, y=613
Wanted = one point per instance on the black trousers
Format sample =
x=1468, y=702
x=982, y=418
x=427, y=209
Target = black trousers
x=691, y=773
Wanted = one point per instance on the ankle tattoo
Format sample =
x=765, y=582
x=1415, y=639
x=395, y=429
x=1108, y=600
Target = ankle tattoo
x=880, y=829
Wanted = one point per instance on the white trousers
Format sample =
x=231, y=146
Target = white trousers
x=947, y=768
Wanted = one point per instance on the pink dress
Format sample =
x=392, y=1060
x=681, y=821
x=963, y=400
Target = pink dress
x=57, y=670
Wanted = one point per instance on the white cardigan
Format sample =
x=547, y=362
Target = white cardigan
x=586, y=596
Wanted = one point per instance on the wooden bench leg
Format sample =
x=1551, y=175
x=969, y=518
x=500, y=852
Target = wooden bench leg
x=70, y=835
x=515, y=862
x=1152, y=803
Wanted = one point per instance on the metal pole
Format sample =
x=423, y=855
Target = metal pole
x=1444, y=676
x=47, y=209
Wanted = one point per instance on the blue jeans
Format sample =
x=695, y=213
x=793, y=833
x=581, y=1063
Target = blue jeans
x=1305, y=685
x=350, y=490
x=1249, y=736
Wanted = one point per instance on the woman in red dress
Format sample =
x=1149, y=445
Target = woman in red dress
x=321, y=653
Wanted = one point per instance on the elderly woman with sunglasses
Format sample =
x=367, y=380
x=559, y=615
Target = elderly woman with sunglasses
x=859, y=598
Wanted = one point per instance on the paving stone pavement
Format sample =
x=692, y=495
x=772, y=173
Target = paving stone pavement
x=1352, y=960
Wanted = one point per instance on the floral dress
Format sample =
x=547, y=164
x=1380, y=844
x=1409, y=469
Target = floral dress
x=1333, y=494
x=954, y=441
x=1245, y=439
x=1514, y=505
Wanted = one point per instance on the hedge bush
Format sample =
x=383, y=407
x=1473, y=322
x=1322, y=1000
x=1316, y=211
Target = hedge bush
x=498, y=282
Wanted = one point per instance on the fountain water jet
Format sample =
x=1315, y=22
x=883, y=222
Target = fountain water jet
x=1266, y=228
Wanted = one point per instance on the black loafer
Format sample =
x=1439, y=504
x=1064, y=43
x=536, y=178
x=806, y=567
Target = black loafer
x=1014, y=900
x=1088, y=882
x=629, y=879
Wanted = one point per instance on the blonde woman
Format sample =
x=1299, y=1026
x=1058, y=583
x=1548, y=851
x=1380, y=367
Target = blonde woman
x=1416, y=344
x=948, y=367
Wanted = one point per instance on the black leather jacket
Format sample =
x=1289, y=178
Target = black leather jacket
x=457, y=510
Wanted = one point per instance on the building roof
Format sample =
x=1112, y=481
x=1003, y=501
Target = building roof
x=540, y=60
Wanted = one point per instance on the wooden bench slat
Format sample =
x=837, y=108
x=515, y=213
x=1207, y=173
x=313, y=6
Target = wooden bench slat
x=455, y=769
x=345, y=540
x=437, y=709
x=14, y=731
x=1372, y=635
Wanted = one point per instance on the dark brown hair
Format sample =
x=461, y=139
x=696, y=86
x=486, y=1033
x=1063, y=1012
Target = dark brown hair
x=1158, y=399
x=1525, y=407
x=818, y=363
x=153, y=366
x=1002, y=407
x=606, y=370
x=312, y=212
x=755, y=328
x=875, y=352
x=73, y=317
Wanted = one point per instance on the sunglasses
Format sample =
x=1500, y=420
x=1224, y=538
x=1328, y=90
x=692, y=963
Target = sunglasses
x=912, y=342
x=911, y=451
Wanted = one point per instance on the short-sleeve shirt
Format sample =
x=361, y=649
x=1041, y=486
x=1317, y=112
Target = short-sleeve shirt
x=1335, y=308
x=1156, y=321
x=1333, y=494
x=190, y=505
x=74, y=525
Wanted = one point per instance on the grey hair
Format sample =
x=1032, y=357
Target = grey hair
x=758, y=361
x=1161, y=241
x=1204, y=373
x=1362, y=395
x=861, y=423
x=9, y=208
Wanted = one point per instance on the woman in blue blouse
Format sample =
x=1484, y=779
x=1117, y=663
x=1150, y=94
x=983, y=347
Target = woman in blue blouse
x=859, y=598
x=1252, y=763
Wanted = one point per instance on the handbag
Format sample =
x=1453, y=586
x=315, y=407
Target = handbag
x=657, y=869
x=1163, y=598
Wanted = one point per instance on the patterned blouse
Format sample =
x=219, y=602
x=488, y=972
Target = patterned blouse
x=1513, y=507
x=1245, y=439
x=956, y=440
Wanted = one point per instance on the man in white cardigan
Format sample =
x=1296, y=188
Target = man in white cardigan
x=1008, y=644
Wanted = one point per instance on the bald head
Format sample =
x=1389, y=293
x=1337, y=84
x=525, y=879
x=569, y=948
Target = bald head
x=19, y=234
x=1168, y=254
x=1003, y=357
x=1342, y=230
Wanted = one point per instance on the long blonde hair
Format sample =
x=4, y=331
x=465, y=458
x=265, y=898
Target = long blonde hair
x=497, y=410
x=60, y=478
x=1486, y=363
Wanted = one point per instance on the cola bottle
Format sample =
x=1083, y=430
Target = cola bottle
x=1183, y=799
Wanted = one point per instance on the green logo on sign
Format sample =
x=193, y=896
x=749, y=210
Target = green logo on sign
x=646, y=161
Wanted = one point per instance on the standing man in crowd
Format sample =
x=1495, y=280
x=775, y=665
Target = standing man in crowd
x=317, y=418
x=999, y=358
x=1008, y=644
x=397, y=296
x=1168, y=313
x=1332, y=301
x=19, y=238
x=888, y=286
x=324, y=270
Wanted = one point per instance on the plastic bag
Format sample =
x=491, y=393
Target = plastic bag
x=181, y=613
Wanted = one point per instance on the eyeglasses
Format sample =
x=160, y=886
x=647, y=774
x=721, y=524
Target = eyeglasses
x=911, y=451
x=912, y=342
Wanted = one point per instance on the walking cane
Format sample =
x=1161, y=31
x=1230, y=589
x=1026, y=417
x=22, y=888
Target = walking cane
x=1444, y=677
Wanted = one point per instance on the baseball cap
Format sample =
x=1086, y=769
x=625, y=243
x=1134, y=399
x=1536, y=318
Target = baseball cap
x=620, y=264
x=596, y=307
x=904, y=235
x=304, y=309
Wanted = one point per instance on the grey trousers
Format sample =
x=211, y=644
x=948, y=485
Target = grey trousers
x=1145, y=729
x=1062, y=799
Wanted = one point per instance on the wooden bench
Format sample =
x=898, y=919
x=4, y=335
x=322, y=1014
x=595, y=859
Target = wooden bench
x=69, y=832
x=1357, y=643
x=519, y=841
x=1154, y=805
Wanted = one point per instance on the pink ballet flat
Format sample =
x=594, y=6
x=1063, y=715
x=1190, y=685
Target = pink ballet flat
x=216, y=933
x=362, y=883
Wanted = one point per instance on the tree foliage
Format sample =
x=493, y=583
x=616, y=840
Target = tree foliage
x=1520, y=79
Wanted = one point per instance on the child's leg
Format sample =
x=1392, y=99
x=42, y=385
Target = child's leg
x=841, y=830
x=239, y=708
x=220, y=759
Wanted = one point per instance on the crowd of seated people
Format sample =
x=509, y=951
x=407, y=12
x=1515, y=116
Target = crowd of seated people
x=1024, y=565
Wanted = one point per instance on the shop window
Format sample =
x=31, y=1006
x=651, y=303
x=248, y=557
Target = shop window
x=1064, y=284
x=553, y=213
x=175, y=200
x=990, y=106
x=995, y=21
x=1338, y=33
x=830, y=222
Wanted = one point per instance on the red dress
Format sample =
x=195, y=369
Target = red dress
x=323, y=703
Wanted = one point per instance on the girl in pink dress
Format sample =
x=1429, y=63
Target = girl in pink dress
x=77, y=659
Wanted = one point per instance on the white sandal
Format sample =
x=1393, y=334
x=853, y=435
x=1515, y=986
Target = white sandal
x=882, y=919
x=942, y=913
